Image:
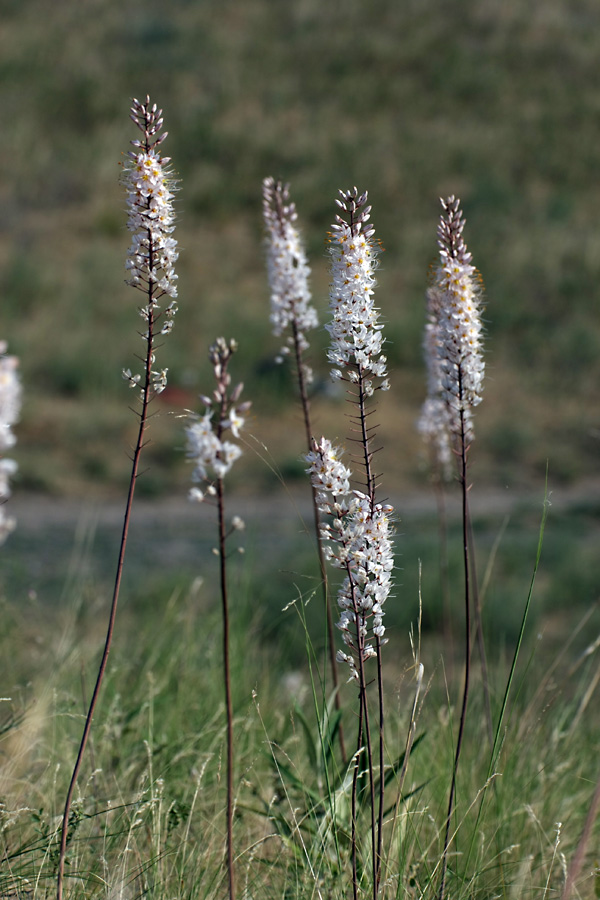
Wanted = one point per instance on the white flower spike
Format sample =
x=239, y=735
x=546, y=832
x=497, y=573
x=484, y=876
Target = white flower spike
x=459, y=321
x=356, y=334
x=151, y=258
x=288, y=273
x=10, y=408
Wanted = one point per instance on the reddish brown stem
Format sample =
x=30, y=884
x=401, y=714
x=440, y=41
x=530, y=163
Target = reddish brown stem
x=113, y=609
x=302, y=389
x=364, y=721
x=463, y=713
x=227, y=678
x=371, y=487
x=577, y=861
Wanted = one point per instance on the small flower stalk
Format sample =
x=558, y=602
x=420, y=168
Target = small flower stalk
x=456, y=369
x=358, y=530
x=213, y=456
x=453, y=343
x=10, y=409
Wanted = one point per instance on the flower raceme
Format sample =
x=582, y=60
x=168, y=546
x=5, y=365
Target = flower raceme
x=10, y=408
x=212, y=455
x=356, y=335
x=10, y=397
x=287, y=268
x=456, y=291
x=208, y=451
x=359, y=542
x=151, y=257
x=434, y=421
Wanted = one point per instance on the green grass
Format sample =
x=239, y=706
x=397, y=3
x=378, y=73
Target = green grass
x=149, y=814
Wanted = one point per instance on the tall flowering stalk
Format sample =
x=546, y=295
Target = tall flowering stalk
x=358, y=533
x=456, y=293
x=213, y=457
x=149, y=184
x=288, y=273
x=292, y=313
x=10, y=409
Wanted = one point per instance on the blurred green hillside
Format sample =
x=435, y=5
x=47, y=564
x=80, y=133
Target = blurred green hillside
x=496, y=101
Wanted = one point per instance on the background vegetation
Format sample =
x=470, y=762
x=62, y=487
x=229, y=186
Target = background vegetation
x=493, y=101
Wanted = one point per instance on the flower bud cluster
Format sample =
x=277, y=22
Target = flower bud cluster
x=459, y=320
x=212, y=455
x=10, y=408
x=287, y=267
x=359, y=542
x=149, y=185
x=356, y=335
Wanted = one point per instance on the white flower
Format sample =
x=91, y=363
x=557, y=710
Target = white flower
x=457, y=292
x=213, y=456
x=10, y=408
x=159, y=380
x=10, y=397
x=152, y=255
x=359, y=536
x=287, y=268
x=434, y=422
x=326, y=471
x=356, y=338
x=235, y=422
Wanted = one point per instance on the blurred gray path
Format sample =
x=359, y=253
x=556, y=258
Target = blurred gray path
x=58, y=540
x=37, y=513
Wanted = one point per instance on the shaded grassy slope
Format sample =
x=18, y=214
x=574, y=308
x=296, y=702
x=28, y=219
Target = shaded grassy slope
x=492, y=101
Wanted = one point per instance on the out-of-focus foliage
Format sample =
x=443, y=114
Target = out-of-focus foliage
x=493, y=101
